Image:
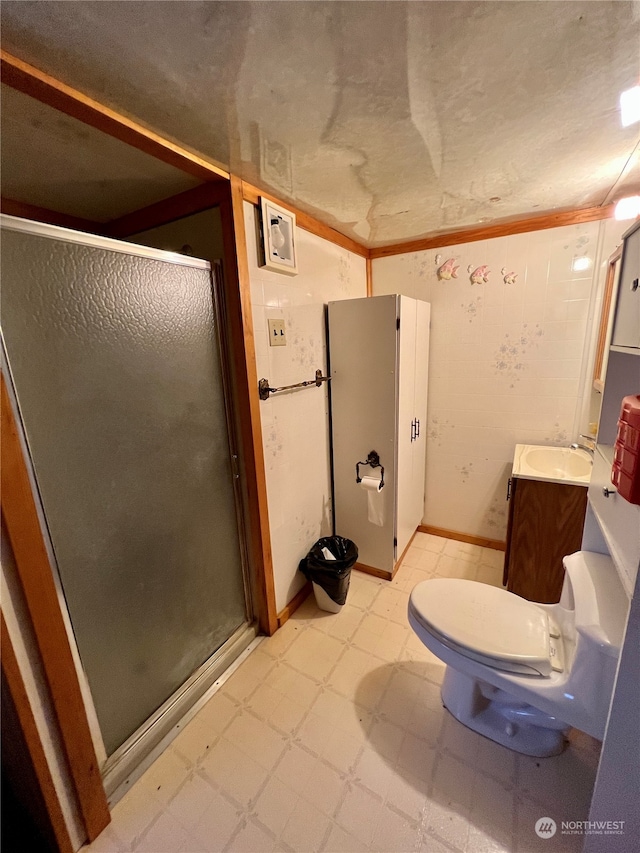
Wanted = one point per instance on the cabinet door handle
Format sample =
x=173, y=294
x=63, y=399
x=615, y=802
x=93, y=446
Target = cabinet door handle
x=417, y=427
x=413, y=430
x=509, y=489
x=634, y=284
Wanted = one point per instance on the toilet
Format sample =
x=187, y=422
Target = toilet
x=522, y=673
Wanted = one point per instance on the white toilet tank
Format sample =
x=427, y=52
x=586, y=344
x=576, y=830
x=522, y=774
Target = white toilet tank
x=593, y=591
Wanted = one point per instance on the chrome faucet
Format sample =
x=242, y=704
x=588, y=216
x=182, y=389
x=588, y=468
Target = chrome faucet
x=590, y=448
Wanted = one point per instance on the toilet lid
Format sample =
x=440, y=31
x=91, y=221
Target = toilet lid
x=483, y=619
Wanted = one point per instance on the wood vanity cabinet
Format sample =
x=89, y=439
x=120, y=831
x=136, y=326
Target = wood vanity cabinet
x=545, y=524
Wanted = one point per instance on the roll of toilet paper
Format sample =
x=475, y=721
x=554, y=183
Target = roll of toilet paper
x=375, y=500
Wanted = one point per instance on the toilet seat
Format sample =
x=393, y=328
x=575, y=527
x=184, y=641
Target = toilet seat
x=487, y=624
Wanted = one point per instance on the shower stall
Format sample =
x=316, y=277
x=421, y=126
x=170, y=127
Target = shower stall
x=114, y=356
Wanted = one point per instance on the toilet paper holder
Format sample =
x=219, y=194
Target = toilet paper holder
x=373, y=461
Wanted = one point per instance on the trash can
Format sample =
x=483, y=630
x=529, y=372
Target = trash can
x=328, y=567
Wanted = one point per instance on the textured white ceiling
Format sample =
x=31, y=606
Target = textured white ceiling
x=56, y=162
x=388, y=120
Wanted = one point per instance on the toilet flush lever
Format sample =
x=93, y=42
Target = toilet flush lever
x=608, y=492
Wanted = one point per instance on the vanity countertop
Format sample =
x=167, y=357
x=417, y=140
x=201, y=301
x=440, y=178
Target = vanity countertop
x=552, y=464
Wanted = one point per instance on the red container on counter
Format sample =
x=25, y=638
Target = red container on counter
x=625, y=473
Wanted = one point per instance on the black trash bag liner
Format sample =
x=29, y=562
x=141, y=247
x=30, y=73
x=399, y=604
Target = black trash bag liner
x=332, y=575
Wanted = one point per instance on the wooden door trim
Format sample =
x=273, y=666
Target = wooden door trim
x=369, y=270
x=237, y=294
x=36, y=579
x=32, y=739
x=607, y=298
x=46, y=89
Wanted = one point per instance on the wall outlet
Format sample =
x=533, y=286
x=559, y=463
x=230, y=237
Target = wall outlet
x=277, y=336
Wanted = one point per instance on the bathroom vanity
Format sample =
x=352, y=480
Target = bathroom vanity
x=548, y=500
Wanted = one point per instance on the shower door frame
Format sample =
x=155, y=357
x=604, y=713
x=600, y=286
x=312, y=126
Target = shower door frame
x=128, y=761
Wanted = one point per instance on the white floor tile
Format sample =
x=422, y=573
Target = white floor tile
x=216, y=825
x=307, y=828
x=429, y=542
x=446, y=824
x=331, y=736
x=194, y=741
x=107, y=842
x=324, y=788
x=166, y=835
x=135, y=812
x=256, y=739
x=191, y=801
x=233, y=772
x=251, y=839
x=340, y=841
x=358, y=813
x=275, y=805
x=394, y=832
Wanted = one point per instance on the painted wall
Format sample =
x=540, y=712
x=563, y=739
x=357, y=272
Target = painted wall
x=202, y=232
x=509, y=362
x=295, y=426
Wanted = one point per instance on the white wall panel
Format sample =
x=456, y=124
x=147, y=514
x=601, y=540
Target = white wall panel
x=295, y=426
x=509, y=363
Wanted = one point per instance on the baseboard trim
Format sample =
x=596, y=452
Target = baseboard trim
x=404, y=553
x=371, y=570
x=380, y=573
x=288, y=611
x=496, y=544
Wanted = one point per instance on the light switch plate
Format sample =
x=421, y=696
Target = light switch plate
x=277, y=336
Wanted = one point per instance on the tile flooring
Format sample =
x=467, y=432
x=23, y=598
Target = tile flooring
x=331, y=737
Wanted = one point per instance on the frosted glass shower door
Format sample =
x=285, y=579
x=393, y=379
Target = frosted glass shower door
x=114, y=356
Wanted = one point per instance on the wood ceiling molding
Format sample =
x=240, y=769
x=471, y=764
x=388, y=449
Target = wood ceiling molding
x=489, y=232
x=51, y=217
x=306, y=221
x=35, y=83
x=186, y=203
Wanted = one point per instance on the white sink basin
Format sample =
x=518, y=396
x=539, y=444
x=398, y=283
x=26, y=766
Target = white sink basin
x=552, y=464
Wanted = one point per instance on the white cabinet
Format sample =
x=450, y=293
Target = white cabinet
x=378, y=352
x=616, y=520
x=626, y=325
x=613, y=526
